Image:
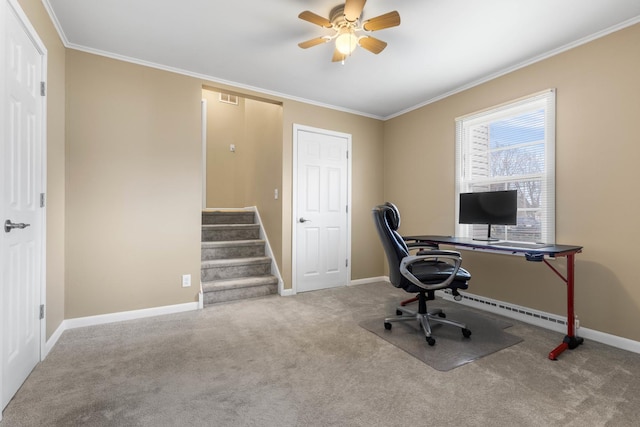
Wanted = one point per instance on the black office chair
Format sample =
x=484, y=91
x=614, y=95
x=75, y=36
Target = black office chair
x=430, y=270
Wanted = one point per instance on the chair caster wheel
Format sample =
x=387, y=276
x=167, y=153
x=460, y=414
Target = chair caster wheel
x=398, y=313
x=387, y=326
x=431, y=341
x=466, y=332
x=443, y=315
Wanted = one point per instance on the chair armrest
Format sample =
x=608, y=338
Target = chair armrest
x=421, y=248
x=421, y=245
x=434, y=256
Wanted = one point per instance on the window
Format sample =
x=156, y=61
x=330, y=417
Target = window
x=511, y=147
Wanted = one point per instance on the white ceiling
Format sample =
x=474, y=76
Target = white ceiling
x=440, y=47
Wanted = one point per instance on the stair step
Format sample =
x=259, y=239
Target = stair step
x=234, y=268
x=228, y=217
x=232, y=249
x=233, y=261
x=231, y=290
x=226, y=232
x=245, y=282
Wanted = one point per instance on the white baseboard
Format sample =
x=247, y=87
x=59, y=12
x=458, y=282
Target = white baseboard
x=527, y=315
x=286, y=292
x=53, y=339
x=612, y=340
x=368, y=280
x=290, y=292
x=80, y=322
x=267, y=249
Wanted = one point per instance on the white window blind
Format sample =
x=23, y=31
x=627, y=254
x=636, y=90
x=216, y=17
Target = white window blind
x=511, y=147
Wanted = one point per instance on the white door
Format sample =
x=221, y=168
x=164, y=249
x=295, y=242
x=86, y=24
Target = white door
x=321, y=206
x=21, y=227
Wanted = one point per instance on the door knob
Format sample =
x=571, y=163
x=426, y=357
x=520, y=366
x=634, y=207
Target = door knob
x=303, y=220
x=8, y=225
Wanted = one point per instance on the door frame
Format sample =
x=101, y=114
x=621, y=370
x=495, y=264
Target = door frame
x=203, y=137
x=7, y=7
x=294, y=210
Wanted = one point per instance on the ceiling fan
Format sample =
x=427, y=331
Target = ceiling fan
x=344, y=19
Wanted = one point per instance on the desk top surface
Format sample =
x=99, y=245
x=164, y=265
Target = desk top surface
x=548, y=249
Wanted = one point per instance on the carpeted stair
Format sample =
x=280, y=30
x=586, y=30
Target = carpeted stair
x=234, y=265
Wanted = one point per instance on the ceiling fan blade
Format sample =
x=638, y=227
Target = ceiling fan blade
x=338, y=56
x=353, y=9
x=372, y=44
x=315, y=19
x=313, y=42
x=391, y=19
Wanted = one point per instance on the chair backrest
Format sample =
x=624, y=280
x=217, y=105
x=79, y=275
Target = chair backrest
x=387, y=220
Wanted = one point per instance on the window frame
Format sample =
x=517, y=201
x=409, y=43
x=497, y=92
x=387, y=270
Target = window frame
x=545, y=100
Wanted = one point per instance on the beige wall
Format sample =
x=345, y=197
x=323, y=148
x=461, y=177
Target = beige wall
x=226, y=171
x=133, y=183
x=264, y=137
x=134, y=168
x=596, y=156
x=55, y=246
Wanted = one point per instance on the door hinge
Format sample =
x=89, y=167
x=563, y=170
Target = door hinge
x=346, y=209
x=347, y=154
x=42, y=200
x=346, y=263
x=41, y=311
x=43, y=91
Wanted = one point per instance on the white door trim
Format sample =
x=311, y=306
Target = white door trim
x=296, y=128
x=7, y=7
x=203, y=136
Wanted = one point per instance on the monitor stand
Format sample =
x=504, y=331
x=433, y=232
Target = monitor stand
x=488, y=238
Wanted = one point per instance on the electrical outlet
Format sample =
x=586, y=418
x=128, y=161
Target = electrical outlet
x=186, y=280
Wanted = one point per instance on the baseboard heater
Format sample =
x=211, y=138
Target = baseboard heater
x=524, y=314
x=540, y=318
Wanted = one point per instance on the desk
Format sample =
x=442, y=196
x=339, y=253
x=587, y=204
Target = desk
x=539, y=254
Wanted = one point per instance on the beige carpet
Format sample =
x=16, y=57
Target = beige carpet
x=451, y=349
x=304, y=361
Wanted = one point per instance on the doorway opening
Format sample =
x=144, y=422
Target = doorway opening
x=242, y=161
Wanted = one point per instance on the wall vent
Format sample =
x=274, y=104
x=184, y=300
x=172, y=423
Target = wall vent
x=227, y=98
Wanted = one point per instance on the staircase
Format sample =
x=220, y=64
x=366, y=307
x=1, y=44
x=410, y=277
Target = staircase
x=234, y=264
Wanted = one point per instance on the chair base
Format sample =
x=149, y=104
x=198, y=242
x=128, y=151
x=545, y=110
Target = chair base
x=437, y=316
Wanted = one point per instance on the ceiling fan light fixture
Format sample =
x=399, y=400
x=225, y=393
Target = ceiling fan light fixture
x=344, y=20
x=346, y=41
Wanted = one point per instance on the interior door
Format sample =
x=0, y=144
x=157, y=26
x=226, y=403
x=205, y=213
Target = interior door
x=21, y=227
x=321, y=226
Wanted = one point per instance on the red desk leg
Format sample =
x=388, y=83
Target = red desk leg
x=570, y=341
x=409, y=301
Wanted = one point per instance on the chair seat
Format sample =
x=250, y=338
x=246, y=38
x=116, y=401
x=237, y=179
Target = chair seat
x=432, y=272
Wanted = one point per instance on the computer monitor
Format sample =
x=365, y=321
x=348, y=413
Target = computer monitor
x=489, y=207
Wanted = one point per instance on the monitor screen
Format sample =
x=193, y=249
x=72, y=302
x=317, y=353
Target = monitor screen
x=491, y=207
